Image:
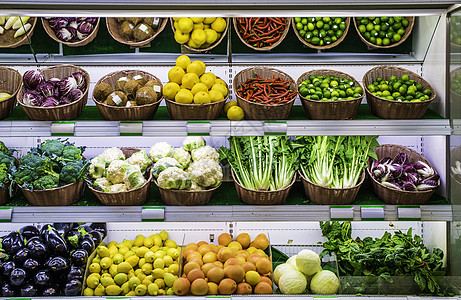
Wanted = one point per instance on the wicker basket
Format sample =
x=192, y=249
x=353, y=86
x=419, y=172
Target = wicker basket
x=397, y=197
x=88, y=39
x=5, y=194
x=267, y=48
x=392, y=109
x=186, y=198
x=24, y=39
x=114, y=113
x=63, y=112
x=10, y=82
x=330, y=110
x=408, y=29
x=61, y=196
x=253, y=197
x=114, y=29
x=195, y=50
x=137, y=196
x=330, y=196
x=338, y=41
x=257, y=111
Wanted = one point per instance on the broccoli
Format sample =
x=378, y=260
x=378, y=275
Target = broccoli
x=5, y=150
x=70, y=152
x=32, y=167
x=71, y=172
x=46, y=182
x=52, y=148
x=3, y=175
x=6, y=159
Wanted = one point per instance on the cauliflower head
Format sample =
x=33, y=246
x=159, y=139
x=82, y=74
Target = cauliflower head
x=111, y=154
x=163, y=164
x=193, y=142
x=97, y=167
x=174, y=178
x=182, y=156
x=206, y=173
x=160, y=150
x=115, y=172
x=195, y=187
x=117, y=188
x=141, y=159
x=133, y=177
x=103, y=184
x=205, y=152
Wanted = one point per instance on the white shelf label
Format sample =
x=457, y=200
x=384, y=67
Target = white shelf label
x=342, y=213
x=6, y=213
x=65, y=128
x=275, y=127
x=128, y=128
x=199, y=128
x=153, y=214
x=409, y=212
x=372, y=212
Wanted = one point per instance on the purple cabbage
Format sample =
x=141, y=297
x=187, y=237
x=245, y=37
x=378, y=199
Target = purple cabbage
x=75, y=95
x=66, y=85
x=53, y=80
x=379, y=171
x=32, y=79
x=50, y=102
x=64, y=35
x=46, y=89
x=410, y=177
x=81, y=36
x=396, y=170
x=409, y=169
x=58, y=23
x=72, y=19
x=32, y=98
x=424, y=169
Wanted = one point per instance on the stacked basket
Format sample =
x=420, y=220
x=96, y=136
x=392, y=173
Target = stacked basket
x=186, y=198
x=61, y=196
x=114, y=30
x=324, y=47
x=10, y=83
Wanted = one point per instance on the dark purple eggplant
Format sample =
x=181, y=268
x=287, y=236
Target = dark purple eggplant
x=12, y=243
x=17, y=277
x=55, y=242
x=73, y=288
x=101, y=227
x=42, y=278
x=38, y=249
x=28, y=290
x=57, y=264
x=21, y=256
x=29, y=232
x=43, y=230
x=84, y=228
x=62, y=228
x=51, y=291
x=30, y=265
x=74, y=238
x=7, y=268
x=79, y=257
x=75, y=273
x=96, y=236
x=87, y=243
x=8, y=290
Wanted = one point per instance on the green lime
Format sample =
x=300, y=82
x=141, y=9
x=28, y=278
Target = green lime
x=304, y=21
x=405, y=77
x=299, y=26
x=396, y=37
x=297, y=19
x=310, y=26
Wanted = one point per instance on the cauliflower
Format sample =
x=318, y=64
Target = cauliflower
x=205, y=152
x=97, y=167
x=174, y=178
x=133, y=177
x=141, y=159
x=182, y=156
x=111, y=154
x=206, y=173
x=193, y=142
x=195, y=187
x=164, y=163
x=160, y=150
x=115, y=172
x=191, y=167
x=117, y=188
x=103, y=184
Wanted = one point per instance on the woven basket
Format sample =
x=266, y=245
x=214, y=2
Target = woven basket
x=10, y=82
x=88, y=39
x=408, y=29
x=5, y=194
x=253, y=197
x=267, y=48
x=61, y=196
x=114, y=113
x=396, y=197
x=186, y=198
x=24, y=39
x=453, y=73
x=330, y=196
x=63, y=112
x=338, y=41
x=330, y=110
x=392, y=109
x=455, y=155
x=114, y=30
x=257, y=111
x=137, y=196
x=207, y=48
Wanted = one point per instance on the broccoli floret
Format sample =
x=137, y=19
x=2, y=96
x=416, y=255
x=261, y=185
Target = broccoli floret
x=32, y=167
x=71, y=172
x=46, y=182
x=71, y=152
x=3, y=174
x=52, y=147
x=7, y=160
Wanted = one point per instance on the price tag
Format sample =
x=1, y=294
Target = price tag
x=153, y=214
x=409, y=212
x=372, y=212
x=342, y=213
x=6, y=213
x=17, y=298
x=275, y=128
x=118, y=298
x=131, y=128
x=65, y=128
x=199, y=128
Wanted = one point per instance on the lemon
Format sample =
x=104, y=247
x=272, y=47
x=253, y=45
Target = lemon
x=173, y=269
x=148, y=242
x=202, y=97
x=184, y=96
x=112, y=243
x=169, y=279
x=211, y=36
x=196, y=67
x=139, y=241
x=216, y=96
x=229, y=105
x=95, y=268
x=174, y=253
x=140, y=290
x=128, y=254
x=208, y=79
x=219, y=24
x=221, y=88
x=134, y=282
x=141, y=262
x=170, y=244
x=164, y=235
x=197, y=20
x=120, y=278
x=147, y=268
x=160, y=282
x=159, y=263
x=185, y=25
x=193, y=44
x=149, y=256
x=113, y=250
x=125, y=288
x=175, y=25
x=198, y=26
x=161, y=253
x=189, y=80
x=124, y=267
x=100, y=290
x=132, y=260
x=209, y=20
x=199, y=36
x=157, y=273
x=105, y=263
x=123, y=249
x=182, y=61
x=106, y=281
x=117, y=259
x=141, y=251
x=103, y=251
x=176, y=19
x=220, y=81
x=206, y=26
x=235, y=113
x=168, y=260
x=152, y=289
x=113, y=270
x=88, y=292
x=180, y=37
x=174, y=75
x=96, y=260
x=199, y=87
x=157, y=240
x=92, y=281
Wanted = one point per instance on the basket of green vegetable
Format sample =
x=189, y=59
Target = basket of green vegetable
x=9, y=87
x=120, y=176
x=52, y=174
x=329, y=95
x=402, y=176
x=321, y=32
x=397, y=93
x=7, y=168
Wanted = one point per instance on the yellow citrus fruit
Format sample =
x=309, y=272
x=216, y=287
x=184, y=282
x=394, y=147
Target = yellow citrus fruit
x=203, y=66
x=183, y=61
x=175, y=25
x=229, y=105
x=196, y=67
x=175, y=74
x=197, y=20
x=189, y=79
x=235, y=113
x=170, y=90
x=220, y=88
x=193, y=44
x=206, y=26
x=202, y=97
x=219, y=24
x=180, y=37
x=184, y=96
x=209, y=20
x=185, y=25
x=211, y=36
x=198, y=26
x=209, y=79
x=199, y=36
x=216, y=96
x=220, y=81
x=199, y=87
x=176, y=19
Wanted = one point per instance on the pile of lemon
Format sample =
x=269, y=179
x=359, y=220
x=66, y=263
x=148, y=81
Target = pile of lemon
x=198, y=32
x=189, y=84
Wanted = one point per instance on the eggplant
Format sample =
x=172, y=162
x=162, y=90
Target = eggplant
x=21, y=256
x=8, y=290
x=75, y=273
x=51, y=291
x=28, y=290
x=79, y=257
x=73, y=288
x=57, y=264
x=12, y=243
x=87, y=243
x=101, y=227
x=62, y=228
x=43, y=230
x=38, y=249
x=55, y=242
x=30, y=265
x=7, y=268
x=42, y=278
x=96, y=236
x=17, y=276
x=29, y=232
x=84, y=228
x=74, y=238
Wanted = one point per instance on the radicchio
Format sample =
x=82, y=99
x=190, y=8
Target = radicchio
x=46, y=89
x=80, y=78
x=50, y=102
x=32, y=79
x=58, y=23
x=64, y=35
x=66, y=85
x=32, y=98
x=74, y=95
